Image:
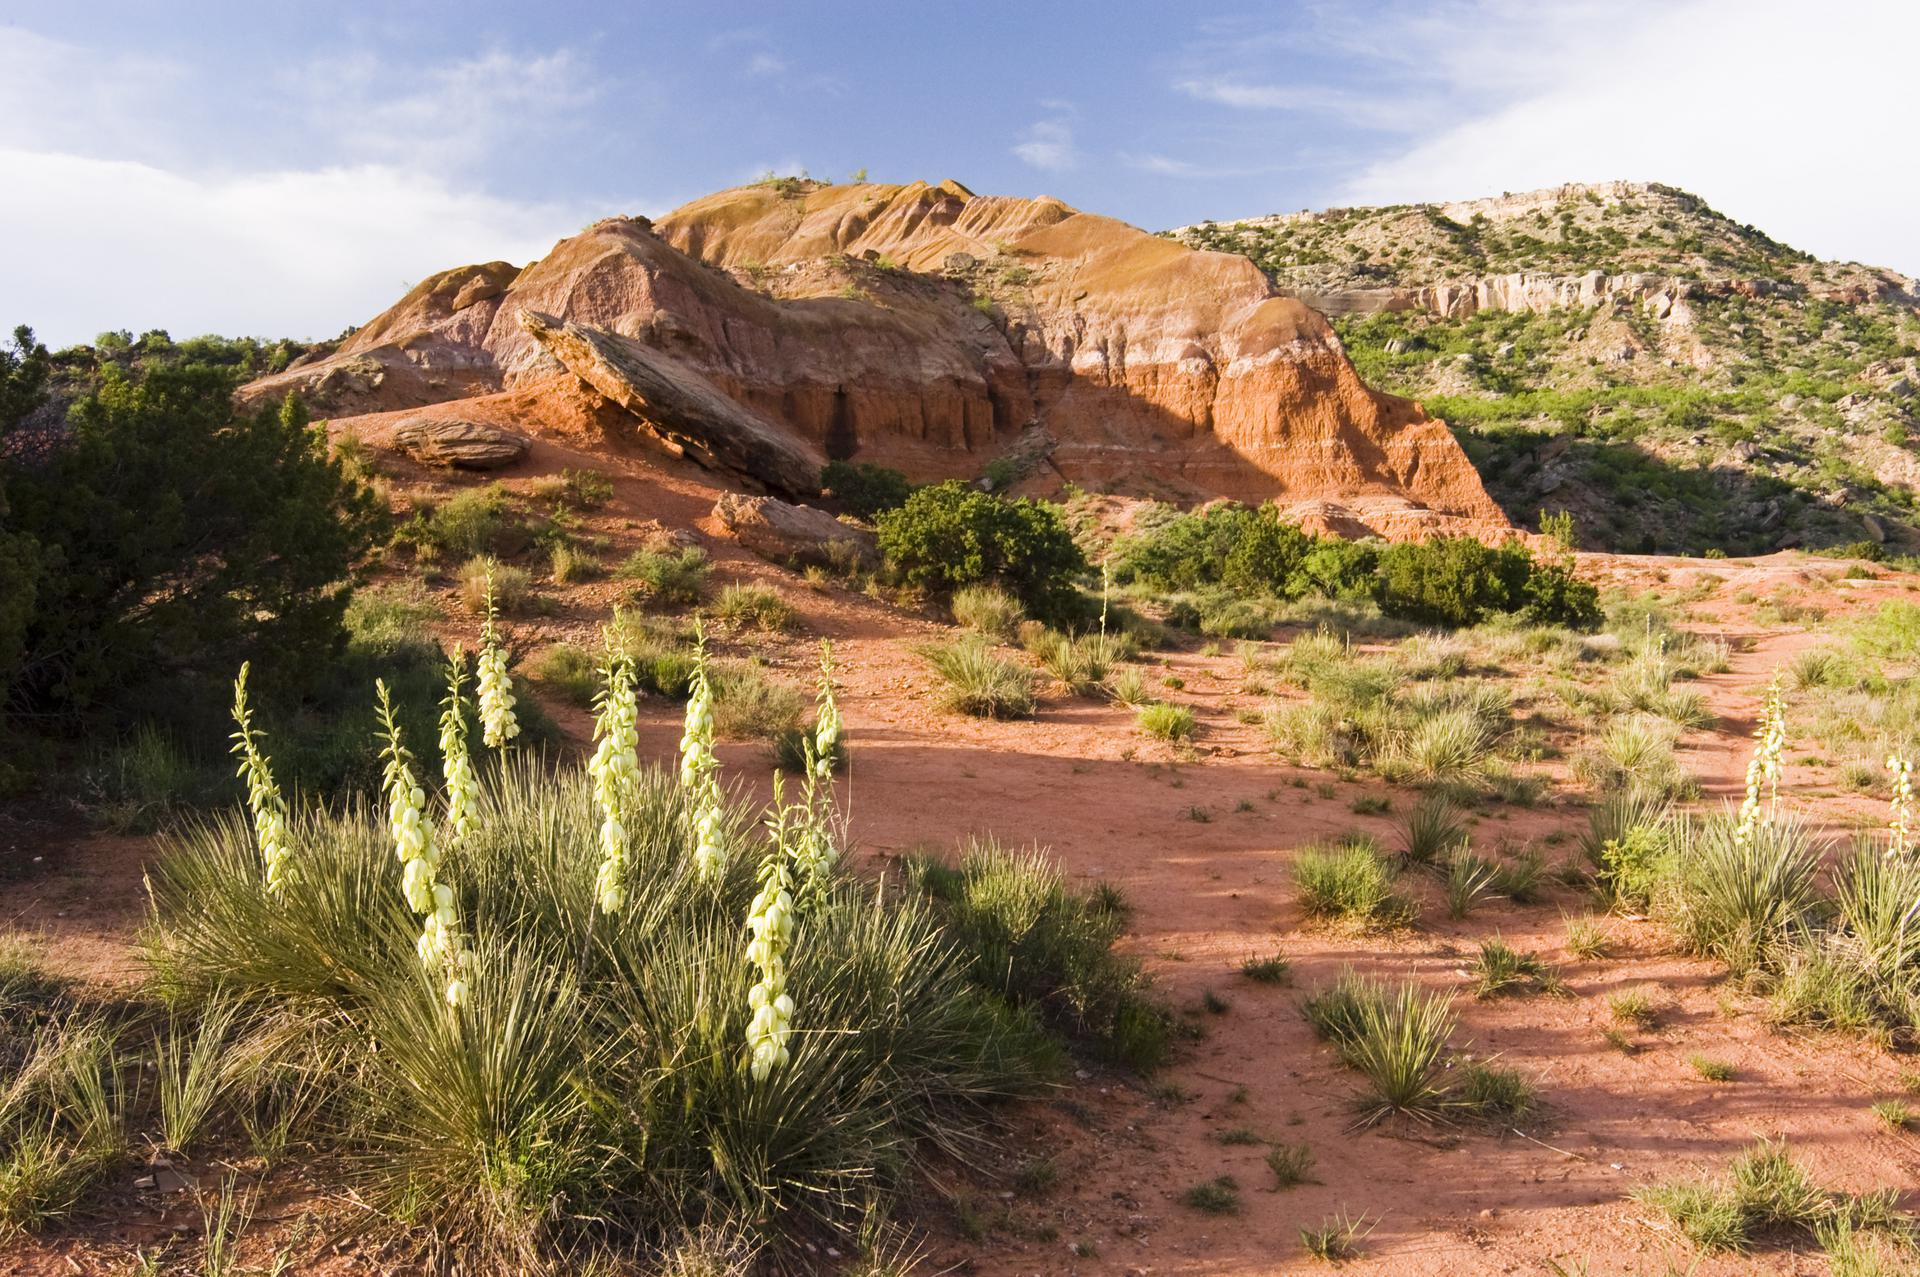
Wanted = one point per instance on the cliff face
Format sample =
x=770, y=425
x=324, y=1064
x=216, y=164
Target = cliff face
x=927, y=328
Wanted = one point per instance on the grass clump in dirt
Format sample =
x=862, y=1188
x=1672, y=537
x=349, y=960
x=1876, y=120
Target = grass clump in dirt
x=1433, y=828
x=988, y=611
x=754, y=606
x=1219, y=1196
x=511, y=585
x=668, y=575
x=1710, y=1069
x=979, y=681
x=1047, y=949
x=1501, y=970
x=1291, y=1164
x=1165, y=721
x=1767, y=1195
x=1273, y=970
x=1336, y=1239
x=1352, y=883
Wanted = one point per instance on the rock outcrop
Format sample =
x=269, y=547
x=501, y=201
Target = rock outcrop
x=765, y=329
x=787, y=533
x=461, y=445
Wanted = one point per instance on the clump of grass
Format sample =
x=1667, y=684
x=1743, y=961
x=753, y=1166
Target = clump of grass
x=570, y=565
x=1336, y=1238
x=1394, y=1037
x=1239, y=1135
x=1635, y=752
x=510, y=584
x=570, y=671
x=1370, y=804
x=1587, y=938
x=1047, y=949
x=1710, y=1069
x=667, y=574
x=1273, y=970
x=1519, y=878
x=1766, y=1191
x=1500, y=970
x=988, y=611
x=1470, y=879
x=1166, y=721
x=1350, y=882
x=1433, y=828
x=1218, y=1196
x=1637, y=1007
x=979, y=681
x=1291, y=1164
x=1895, y=1115
x=756, y=606
x=1130, y=688
x=749, y=706
x=1495, y=1094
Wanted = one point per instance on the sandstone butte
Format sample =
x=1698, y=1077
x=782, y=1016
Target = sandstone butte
x=765, y=329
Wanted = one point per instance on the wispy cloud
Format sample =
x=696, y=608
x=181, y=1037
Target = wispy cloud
x=1048, y=145
x=766, y=64
x=1359, y=109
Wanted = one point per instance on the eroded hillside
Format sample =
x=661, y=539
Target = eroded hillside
x=1621, y=350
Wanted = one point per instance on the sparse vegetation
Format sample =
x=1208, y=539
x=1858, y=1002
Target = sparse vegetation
x=981, y=682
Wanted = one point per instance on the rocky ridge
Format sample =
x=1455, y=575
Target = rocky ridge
x=765, y=329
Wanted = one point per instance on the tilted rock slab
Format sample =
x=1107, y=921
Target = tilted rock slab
x=462, y=445
x=787, y=533
x=679, y=405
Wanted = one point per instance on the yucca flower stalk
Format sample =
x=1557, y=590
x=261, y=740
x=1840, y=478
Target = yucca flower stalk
x=699, y=768
x=456, y=764
x=814, y=851
x=1763, y=769
x=497, y=722
x=269, y=810
x=770, y=927
x=615, y=769
x=439, y=946
x=1900, y=813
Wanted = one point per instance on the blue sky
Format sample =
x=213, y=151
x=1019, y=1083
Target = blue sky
x=291, y=168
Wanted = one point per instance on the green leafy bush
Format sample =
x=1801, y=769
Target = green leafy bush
x=948, y=536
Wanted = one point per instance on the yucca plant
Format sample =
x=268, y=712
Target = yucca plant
x=1396, y=1042
x=595, y=1087
x=1434, y=827
x=1740, y=897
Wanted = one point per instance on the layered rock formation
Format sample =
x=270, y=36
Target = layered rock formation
x=765, y=329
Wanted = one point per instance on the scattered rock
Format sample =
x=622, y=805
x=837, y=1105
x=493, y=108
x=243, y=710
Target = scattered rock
x=787, y=533
x=1900, y=388
x=1874, y=529
x=461, y=445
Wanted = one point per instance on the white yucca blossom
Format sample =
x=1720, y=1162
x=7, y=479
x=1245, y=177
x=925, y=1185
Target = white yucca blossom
x=440, y=946
x=615, y=769
x=269, y=810
x=1900, y=815
x=699, y=770
x=814, y=850
x=770, y=930
x=497, y=722
x=456, y=764
x=1763, y=769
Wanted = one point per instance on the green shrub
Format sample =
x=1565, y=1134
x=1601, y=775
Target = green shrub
x=948, y=536
x=749, y=706
x=865, y=490
x=671, y=576
x=1457, y=581
x=475, y=521
x=661, y=652
x=979, y=681
x=1739, y=898
x=1044, y=947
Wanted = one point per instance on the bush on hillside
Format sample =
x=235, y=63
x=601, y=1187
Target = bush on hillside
x=948, y=536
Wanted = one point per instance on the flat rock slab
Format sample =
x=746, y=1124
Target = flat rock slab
x=463, y=445
x=788, y=533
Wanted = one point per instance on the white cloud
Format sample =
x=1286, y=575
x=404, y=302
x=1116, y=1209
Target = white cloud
x=99, y=244
x=1774, y=112
x=1048, y=146
x=765, y=64
x=1360, y=109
